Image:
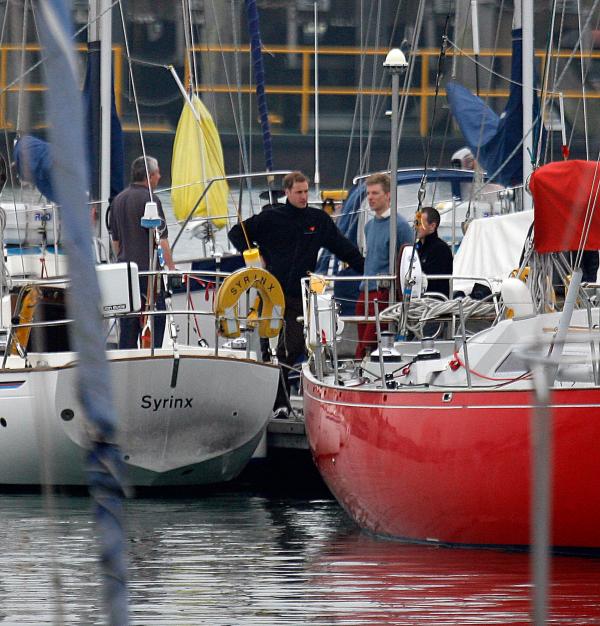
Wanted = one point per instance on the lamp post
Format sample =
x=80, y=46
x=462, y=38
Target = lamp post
x=395, y=62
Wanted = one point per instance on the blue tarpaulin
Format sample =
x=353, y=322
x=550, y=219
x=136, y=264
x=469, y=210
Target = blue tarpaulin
x=494, y=138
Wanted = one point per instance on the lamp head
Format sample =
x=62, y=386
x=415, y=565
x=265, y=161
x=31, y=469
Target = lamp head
x=395, y=60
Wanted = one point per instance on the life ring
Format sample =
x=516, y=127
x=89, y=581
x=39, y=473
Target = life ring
x=226, y=307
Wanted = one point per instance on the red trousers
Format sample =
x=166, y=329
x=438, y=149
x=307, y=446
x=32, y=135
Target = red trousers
x=367, y=331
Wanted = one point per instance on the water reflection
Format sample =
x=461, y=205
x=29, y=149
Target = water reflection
x=240, y=559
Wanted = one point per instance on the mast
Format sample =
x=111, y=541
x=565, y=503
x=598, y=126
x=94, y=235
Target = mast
x=527, y=26
x=317, y=164
x=100, y=51
x=396, y=63
x=105, y=120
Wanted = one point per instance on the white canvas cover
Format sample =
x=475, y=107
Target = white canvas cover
x=491, y=248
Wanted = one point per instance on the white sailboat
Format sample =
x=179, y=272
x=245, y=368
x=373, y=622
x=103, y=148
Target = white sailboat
x=187, y=415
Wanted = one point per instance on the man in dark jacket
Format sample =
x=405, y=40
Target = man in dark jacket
x=434, y=253
x=289, y=238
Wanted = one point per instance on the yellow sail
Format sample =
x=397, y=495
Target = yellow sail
x=198, y=157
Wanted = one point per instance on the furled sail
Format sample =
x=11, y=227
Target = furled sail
x=495, y=139
x=198, y=157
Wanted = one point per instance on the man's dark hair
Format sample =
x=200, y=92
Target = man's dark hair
x=139, y=166
x=294, y=177
x=432, y=215
x=379, y=179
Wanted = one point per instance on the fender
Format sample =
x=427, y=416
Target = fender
x=226, y=304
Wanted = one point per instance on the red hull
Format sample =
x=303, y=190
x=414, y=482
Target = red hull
x=455, y=468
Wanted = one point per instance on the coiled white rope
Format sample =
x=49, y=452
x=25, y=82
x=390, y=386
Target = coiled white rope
x=430, y=308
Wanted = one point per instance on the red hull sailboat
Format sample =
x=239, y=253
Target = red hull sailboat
x=455, y=467
x=437, y=444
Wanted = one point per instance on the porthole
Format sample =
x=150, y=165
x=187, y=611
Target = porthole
x=67, y=414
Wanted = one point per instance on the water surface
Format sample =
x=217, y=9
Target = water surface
x=236, y=558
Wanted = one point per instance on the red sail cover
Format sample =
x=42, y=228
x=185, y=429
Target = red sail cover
x=562, y=192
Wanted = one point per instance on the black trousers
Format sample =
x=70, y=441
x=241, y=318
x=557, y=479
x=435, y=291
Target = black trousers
x=290, y=346
x=131, y=327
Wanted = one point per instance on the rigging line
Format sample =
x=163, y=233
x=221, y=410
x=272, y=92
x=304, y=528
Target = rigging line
x=579, y=102
x=589, y=214
x=22, y=67
x=363, y=155
x=373, y=99
x=578, y=42
x=239, y=118
x=492, y=62
x=196, y=81
x=176, y=97
x=4, y=21
x=136, y=104
x=440, y=69
x=554, y=81
x=186, y=40
x=411, y=68
x=227, y=80
x=44, y=58
x=585, y=117
x=379, y=100
x=363, y=43
x=138, y=61
x=359, y=103
x=503, y=77
x=232, y=198
x=545, y=80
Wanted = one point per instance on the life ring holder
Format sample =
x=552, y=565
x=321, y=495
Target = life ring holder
x=226, y=304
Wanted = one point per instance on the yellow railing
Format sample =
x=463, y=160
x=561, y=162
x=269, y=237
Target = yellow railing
x=6, y=87
x=424, y=91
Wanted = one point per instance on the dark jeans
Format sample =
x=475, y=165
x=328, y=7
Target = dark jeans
x=131, y=327
x=290, y=346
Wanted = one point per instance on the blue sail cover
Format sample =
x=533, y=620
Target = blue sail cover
x=33, y=160
x=494, y=138
x=91, y=95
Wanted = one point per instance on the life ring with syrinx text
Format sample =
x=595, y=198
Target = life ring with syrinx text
x=226, y=307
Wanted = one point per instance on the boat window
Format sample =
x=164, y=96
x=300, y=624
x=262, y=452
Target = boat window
x=512, y=363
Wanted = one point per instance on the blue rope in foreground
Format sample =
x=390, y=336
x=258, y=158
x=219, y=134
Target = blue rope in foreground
x=70, y=181
x=259, y=77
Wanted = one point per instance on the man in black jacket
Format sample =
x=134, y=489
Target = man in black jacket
x=434, y=253
x=289, y=238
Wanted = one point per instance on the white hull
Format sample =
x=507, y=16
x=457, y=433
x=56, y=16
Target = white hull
x=201, y=431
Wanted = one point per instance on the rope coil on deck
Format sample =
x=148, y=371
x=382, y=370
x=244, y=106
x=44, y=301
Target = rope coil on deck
x=430, y=308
